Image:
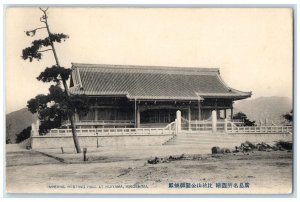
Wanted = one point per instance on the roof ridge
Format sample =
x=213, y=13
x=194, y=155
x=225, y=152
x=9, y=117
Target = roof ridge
x=145, y=67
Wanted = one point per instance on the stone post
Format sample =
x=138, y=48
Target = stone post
x=178, y=122
x=38, y=125
x=33, y=133
x=176, y=127
x=214, y=121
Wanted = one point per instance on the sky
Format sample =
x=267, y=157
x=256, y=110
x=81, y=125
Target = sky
x=252, y=47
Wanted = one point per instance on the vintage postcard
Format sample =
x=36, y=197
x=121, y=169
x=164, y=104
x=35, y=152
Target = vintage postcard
x=149, y=100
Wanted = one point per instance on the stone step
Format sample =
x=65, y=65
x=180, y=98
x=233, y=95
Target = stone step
x=205, y=145
x=205, y=138
x=200, y=143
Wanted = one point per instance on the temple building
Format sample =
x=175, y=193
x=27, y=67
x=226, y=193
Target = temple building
x=149, y=96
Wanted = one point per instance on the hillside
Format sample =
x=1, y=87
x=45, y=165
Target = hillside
x=17, y=121
x=264, y=107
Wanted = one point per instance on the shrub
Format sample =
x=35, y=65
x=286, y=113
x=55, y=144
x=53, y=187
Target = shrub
x=25, y=134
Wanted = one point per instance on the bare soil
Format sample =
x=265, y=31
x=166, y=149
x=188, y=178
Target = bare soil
x=29, y=171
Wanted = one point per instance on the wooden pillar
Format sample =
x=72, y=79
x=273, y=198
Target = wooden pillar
x=135, y=123
x=216, y=108
x=225, y=115
x=231, y=113
x=96, y=114
x=76, y=117
x=199, y=110
x=189, y=117
x=138, y=116
x=115, y=114
x=216, y=104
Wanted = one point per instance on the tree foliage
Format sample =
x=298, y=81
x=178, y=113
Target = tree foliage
x=23, y=135
x=34, y=51
x=288, y=116
x=55, y=107
x=242, y=116
x=54, y=73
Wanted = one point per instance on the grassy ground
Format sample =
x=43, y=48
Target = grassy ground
x=127, y=171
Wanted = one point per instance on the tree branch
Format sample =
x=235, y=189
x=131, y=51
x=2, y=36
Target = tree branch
x=42, y=20
x=45, y=50
x=39, y=28
x=44, y=10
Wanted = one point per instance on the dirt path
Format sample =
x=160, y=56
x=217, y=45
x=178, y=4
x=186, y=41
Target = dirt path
x=266, y=172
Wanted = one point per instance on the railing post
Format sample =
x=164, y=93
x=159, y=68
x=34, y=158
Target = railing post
x=84, y=154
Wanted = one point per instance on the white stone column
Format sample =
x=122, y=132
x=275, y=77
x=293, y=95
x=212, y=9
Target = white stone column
x=225, y=125
x=178, y=123
x=214, y=121
x=189, y=117
x=33, y=130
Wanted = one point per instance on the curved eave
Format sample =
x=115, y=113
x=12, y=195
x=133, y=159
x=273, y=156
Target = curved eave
x=233, y=94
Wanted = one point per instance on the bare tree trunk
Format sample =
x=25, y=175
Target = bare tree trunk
x=70, y=116
x=75, y=138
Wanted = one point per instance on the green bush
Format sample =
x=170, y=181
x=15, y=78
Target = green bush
x=25, y=134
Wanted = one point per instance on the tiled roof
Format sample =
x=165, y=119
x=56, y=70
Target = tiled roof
x=148, y=82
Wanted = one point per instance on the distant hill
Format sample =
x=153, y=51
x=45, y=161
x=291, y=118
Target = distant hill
x=17, y=121
x=264, y=107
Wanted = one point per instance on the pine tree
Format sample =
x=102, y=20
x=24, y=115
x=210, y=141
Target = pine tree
x=59, y=105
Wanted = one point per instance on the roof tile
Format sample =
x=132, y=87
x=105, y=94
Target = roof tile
x=146, y=82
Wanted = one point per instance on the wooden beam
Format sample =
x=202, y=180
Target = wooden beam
x=143, y=108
